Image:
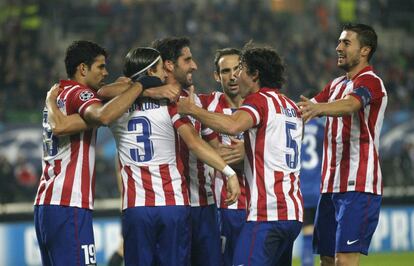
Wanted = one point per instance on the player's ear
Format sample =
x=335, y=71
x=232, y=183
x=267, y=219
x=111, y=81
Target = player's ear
x=216, y=76
x=169, y=65
x=150, y=72
x=83, y=69
x=255, y=76
x=365, y=51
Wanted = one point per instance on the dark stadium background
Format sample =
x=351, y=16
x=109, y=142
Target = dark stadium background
x=34, y=35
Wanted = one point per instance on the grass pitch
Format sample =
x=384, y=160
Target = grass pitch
x=379, y=259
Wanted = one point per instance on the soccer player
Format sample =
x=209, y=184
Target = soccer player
x=156, y=221
x=64, y=200
x=231, y=217
x=310, y=180
x=351, y=181
x=272, y=141
x=205, y=243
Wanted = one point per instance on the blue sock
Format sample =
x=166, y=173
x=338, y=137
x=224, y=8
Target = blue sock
x=307, y=252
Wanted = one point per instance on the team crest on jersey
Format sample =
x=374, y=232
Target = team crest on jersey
x=85, y=95
x=61, y=103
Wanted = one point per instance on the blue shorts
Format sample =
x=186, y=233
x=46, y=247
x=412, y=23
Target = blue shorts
x=231, y=224
x=266, y=243
x=65, y=235
x=205, y=236
x=156, y=235
x=345, y=222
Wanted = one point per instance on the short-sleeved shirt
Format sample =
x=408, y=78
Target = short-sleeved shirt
x=68, y=162
x=272, y=161
x=147, y=140
x=351, y=142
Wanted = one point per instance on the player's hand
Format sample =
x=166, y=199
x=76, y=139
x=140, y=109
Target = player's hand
x=308, y=109
x=54, y=92
x=233, y=190
x=185, y=104
x=169, y=91
x=233, y=153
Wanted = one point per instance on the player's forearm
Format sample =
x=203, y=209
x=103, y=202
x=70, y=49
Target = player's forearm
x=216, y=121
x=207, y=154
x=114, y=89
x=119, y=105
x=339, y=107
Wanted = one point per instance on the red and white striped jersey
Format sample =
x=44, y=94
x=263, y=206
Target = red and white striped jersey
x=147, y=143
x=217, y=102
x=272, y=161
x=68, y=175
x=197, y=172
x=350, y=157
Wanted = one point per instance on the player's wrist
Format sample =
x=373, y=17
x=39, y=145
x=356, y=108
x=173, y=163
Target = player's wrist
x=228, y=171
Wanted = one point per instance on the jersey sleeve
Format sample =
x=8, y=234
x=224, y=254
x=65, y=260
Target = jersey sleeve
x=177, y=119
x=81, y=99
x=323, y=96
x=367, y=89
x=253, y=105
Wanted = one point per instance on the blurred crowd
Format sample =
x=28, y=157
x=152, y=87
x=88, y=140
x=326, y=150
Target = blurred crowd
x=34, y=35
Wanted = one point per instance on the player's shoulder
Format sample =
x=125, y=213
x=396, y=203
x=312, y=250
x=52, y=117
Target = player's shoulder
x=206, y=98
x=72, y=85
x=368, y=76
x=333, y=83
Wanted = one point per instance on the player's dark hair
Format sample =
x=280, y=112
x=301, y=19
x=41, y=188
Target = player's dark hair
x=366, y=36
x=223, y=52
x=267, y=63
x=170, y=47
x=138, y=59
x=81, y=52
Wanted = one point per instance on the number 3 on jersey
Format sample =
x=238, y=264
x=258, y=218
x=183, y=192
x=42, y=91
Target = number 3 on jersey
x=310, y=157
x=50, y=142
x=142, y=126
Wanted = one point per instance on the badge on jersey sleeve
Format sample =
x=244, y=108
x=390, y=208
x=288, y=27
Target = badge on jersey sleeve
x=85, y=95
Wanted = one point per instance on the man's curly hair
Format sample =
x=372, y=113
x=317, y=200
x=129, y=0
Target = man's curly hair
x=267, y=63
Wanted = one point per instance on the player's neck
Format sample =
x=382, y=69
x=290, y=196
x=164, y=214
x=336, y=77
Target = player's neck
x=79, y=79
x=234, y=102
x=351, y=74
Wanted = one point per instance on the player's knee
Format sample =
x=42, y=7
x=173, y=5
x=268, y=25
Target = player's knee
x=327, y=261
x=307, y=229
x=347, y=259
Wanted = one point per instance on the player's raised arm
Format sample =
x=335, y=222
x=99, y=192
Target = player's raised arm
x=105, y=114
x=345, y=106
x=229, y=124
x=114, y=89
x=167, y=91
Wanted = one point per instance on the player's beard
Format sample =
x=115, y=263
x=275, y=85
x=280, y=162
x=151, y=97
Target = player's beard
x=230, y=92
x=182, y=78
x=350, y=64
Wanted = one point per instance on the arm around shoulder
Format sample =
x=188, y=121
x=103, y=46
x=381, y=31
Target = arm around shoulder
x=60, y=123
